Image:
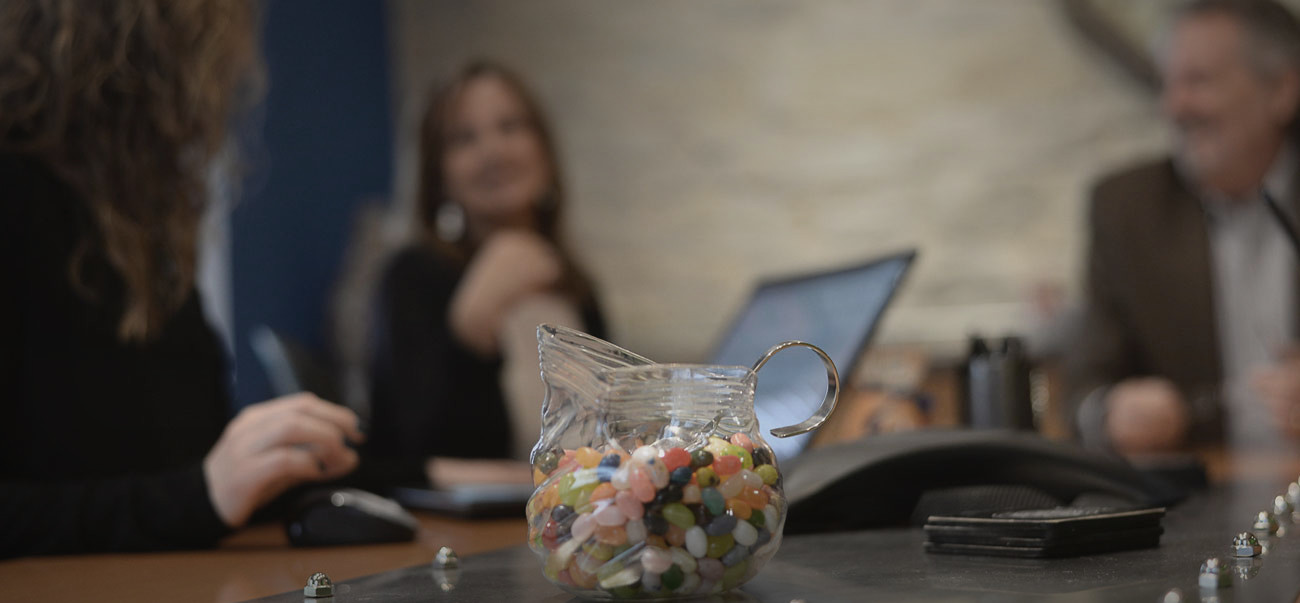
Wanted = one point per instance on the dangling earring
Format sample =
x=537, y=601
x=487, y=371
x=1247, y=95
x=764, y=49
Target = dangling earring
x=545, y=208
x=548, y=200
x=450, y=222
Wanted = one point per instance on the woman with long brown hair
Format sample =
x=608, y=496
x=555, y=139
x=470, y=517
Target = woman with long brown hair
x=113, y=403
x=455, y=369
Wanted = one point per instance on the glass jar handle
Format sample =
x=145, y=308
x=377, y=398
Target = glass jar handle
x=832, y=389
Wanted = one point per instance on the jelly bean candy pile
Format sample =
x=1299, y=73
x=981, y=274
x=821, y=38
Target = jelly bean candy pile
x=656, y=523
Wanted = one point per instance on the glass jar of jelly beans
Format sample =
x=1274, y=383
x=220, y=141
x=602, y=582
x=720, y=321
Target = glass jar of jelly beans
x=653, y=480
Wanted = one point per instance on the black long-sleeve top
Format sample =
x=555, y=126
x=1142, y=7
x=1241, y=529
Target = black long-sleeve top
x=101, y=441
x=431, y=395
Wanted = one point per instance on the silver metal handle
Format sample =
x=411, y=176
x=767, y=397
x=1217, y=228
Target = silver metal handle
x=832, y=389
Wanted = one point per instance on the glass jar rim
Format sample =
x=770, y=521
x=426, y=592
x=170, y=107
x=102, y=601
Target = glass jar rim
x=740, y=372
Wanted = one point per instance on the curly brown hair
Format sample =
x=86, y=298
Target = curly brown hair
x=128, y=102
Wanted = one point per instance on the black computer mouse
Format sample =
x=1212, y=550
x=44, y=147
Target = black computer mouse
x=342, y=516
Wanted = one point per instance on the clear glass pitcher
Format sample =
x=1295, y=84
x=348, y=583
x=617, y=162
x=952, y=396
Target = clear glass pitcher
x=653, y=480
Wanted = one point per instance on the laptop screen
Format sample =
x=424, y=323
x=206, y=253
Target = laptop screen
x=836, y=311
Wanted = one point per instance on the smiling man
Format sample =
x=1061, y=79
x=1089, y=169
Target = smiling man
x=1192, y=310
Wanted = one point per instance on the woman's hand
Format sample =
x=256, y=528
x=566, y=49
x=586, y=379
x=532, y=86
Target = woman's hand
x=509, y=266
x=273, y=446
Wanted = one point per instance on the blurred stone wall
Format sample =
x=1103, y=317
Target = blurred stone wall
x=711, y=143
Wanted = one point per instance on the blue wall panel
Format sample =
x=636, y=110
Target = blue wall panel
x=325, y=148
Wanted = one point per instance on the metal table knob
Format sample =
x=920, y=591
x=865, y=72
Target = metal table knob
x=1265, y=523
x=1246, y=545
x=318, y=585
x=1214, y=574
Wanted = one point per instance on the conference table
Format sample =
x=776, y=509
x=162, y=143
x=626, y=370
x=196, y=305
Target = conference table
x=255, y=562
x=880, y=564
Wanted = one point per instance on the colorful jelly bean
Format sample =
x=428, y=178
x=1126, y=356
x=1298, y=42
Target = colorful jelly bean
x=720, y=525
x=668, y=494
x=680, y=476
x=658, y=474
x=621, y=477
x=691, y=494
x=603, y=491
x=546, y=462
x=629, y=505
x=583, y=527
x=734, y=574
x=609, y=515
x=756, y=499
x=719, y=545
x=739, y=508
x=656, y=560
x=676, y=457
x=672, y=578
x=701, y=458
x=706, y=477
x=745, y=533
x=587, y=457
x=622, y=577
x=697, y=542
x=645, y=454
x=650, y=582
x=734, y=556
x=702, y=515
x=689, y=585
x=743, y=441
x=656, y=525
x=767, y=473
x=636, y=531
x=615, y=534
x=677, y=514
x=599, y=552
x=683, y=559
x=713, y=500
x=675, y=536
x=711, y=569
x=751, y=480
x=581, y=579
x=746, y=459
x=641, y=485
x=731, y=487
x=727, y=465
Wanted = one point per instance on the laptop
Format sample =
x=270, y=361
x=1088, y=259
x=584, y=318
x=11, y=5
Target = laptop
x=836, y=310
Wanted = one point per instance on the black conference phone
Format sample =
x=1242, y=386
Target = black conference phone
x=903, y=479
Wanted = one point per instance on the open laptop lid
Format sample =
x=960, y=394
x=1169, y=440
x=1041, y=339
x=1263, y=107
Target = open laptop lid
x=837, y=310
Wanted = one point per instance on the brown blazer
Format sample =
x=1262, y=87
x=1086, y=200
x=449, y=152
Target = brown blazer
x=1150, y=298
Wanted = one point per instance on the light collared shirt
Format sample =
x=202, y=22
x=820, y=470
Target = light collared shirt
x=1253, y=268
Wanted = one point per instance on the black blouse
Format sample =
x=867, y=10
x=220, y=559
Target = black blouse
x=432, y=396
x=101, y=441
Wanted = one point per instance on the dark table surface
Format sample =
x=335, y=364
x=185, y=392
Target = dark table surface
x=889, y=565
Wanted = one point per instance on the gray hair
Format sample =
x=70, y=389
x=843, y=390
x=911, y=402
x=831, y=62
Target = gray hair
x=1272, y=31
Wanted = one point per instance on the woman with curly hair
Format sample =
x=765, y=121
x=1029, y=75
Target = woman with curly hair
x=113, y=404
